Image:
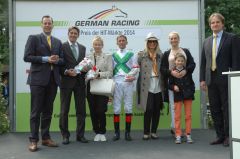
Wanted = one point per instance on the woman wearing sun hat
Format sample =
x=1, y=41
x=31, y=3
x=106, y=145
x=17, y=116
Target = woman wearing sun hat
x=150, y=86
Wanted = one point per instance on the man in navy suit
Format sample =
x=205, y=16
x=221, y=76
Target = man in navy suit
x=220, y=53
x=44, y=53
x=71, y=82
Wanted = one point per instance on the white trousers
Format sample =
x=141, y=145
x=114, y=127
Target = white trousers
x=171, y=107
x=123, y=91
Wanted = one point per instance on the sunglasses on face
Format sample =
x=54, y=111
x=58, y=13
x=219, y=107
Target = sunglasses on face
x=152, y=41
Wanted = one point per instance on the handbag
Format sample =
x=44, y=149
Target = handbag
x=102, y=87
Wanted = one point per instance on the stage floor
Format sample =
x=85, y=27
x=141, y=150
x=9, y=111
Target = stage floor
x=15, y=146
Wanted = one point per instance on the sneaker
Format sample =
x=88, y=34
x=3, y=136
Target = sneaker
x=102, y=137
x=146, y=137
x=178, y=140
x=97, y=137
x=154, y=136
x=189, y=139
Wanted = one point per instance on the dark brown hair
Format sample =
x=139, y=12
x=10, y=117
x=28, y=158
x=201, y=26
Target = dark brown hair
x=73, y=27
x=121, y=35
x=47, y=16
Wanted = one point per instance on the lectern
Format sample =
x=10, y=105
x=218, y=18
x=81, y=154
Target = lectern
x=234, y=112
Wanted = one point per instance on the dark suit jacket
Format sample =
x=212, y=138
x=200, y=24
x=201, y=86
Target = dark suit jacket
x=36, y=48
x=71, y=62
x=227, y=57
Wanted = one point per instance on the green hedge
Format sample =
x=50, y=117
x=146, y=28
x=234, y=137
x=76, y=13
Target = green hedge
x=4, y=123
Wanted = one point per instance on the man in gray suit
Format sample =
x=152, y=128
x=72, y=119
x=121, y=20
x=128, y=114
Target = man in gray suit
x=220, y=53
x=44, y=53
x=72, y=82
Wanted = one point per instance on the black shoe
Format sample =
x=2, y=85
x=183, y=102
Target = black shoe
x=82, y=139
x=33, y=147
x=226, y=142
x=128, y=137
x=65, y=141
x=116, y=137
x=217, y=141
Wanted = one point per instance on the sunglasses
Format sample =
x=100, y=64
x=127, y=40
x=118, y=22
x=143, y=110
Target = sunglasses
x=152, y=41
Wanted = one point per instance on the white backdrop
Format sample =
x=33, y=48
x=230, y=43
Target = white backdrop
x=160, y=17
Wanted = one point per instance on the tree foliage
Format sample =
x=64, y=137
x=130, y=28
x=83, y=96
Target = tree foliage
x=4, y=122
x=4, y=40
x=230, y=9
x=4, y=59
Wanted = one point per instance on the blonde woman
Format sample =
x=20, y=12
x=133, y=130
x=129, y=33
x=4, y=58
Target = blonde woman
x=98, y=103
x=150, y=86
x=168, y=65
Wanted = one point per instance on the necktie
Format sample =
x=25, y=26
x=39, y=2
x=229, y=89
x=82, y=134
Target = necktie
x=49, y=41
x=49, y=44
x=214, y=50
x=74, y=51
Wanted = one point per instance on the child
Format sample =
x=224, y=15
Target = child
x=183, y=89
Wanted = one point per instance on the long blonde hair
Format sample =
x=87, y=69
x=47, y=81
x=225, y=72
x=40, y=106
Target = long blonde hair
x=153, y=57
x=157, y=49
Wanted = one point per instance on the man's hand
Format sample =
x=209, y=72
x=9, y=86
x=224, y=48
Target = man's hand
x=53, y=59
x=203, y=85
x=71, y=72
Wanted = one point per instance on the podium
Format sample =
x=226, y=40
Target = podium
x=234, y=112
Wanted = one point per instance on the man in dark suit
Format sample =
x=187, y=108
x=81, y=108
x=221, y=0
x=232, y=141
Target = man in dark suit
x=44, y=53
x=72, y=82
x=219, y=54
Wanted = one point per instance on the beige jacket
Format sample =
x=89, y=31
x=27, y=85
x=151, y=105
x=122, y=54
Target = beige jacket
x=145, y=64
x=104, y=64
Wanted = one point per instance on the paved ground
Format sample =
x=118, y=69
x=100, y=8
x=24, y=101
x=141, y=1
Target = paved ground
x=14, y=146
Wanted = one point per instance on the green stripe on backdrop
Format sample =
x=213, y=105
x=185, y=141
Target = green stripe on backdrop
x=38, y=23
x=171, y=22
x=147, y=23
x=23, y=113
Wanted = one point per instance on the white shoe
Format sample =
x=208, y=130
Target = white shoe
x=189, y=139
x=154, y=136
x=97, y=137
x=178, y=140
x=102, y=137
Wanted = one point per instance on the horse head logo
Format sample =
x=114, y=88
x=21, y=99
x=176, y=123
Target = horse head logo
x=114, y=12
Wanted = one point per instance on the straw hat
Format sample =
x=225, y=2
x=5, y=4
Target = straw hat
x=151, y=36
